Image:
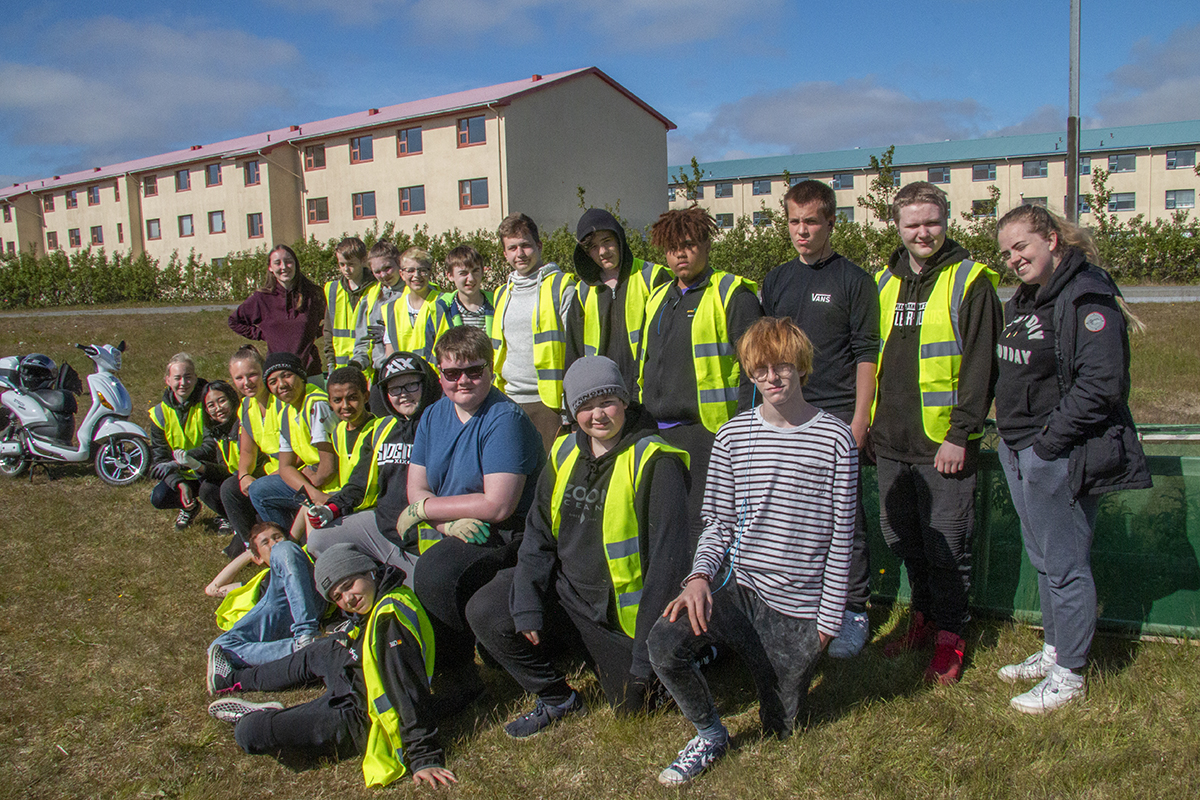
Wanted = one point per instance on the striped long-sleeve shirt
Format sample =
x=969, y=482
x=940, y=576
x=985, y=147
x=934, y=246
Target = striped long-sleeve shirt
x=781, y=501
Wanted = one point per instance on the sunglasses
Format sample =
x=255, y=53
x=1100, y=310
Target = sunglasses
x=452, y=374
x=396, y=388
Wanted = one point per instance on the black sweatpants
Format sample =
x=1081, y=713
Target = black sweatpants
x=240, y=513
x=697, y=440
x=165, y=495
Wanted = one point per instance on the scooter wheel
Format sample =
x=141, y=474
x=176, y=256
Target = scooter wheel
x=13, y=466
x=121, y=460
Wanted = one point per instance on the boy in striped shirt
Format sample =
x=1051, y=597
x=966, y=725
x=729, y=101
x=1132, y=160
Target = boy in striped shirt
x=770, y=574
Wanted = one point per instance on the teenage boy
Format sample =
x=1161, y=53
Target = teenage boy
x=471, y=481
x=939, y=319
x=688, y=374
x=306, y=456
x=769, y=576
x=286, y=615
x=353, y=437
x=528, y=329
x=603, y=551
x=411, y=320
x=611, y=295
x=376, y=699
x=342, y=295
x=384, y=260
x=835, y=303
x=469, y=303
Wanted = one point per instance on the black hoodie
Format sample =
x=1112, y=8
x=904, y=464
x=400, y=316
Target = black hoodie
x=897, y=431
x=614, y=338
x=392, y=456
x=573, y=566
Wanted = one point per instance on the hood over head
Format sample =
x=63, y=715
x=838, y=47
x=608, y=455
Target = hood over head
x=597, y=219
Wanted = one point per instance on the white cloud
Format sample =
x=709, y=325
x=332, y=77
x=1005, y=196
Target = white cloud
x=1044, y=119
x=1161, y=82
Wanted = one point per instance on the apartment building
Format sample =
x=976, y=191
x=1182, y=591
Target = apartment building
x=1152, y=172
x=463, y=160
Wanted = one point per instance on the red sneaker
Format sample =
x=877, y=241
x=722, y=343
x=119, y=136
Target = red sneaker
x=919, y=634
x=946, y=666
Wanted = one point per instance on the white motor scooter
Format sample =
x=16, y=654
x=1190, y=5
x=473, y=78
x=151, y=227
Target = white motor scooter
x=37, y=418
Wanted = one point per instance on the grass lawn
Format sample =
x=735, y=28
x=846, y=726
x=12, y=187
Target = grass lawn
x=105, y=624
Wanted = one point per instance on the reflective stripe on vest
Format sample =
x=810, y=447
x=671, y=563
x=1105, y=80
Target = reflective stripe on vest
x=450, y=314
x=414, y=335
x=296, y=423
x=238, y=602
x=549, y=340
x=264, y=427
x=383, y=759
x=180, y=437
x=716, y=364
x=619, y=519
x=638, y=286
x=347, y=461
x=344, y=312
x=940, y=337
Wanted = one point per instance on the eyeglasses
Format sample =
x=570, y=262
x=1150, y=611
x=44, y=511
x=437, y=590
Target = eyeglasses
x=395, y=388
x=452, y=374
x=411, y=272
x=781, y=370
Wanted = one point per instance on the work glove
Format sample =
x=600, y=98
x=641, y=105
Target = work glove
x=375, y=332
x=184, y=460
x=162, y=469
x=320, y=516
x=472, y=531
x=411, y=516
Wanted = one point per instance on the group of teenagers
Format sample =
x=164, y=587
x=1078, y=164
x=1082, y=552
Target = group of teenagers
x=638, y=466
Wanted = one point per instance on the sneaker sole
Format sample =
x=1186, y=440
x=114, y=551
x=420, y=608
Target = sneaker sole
x=218, y=709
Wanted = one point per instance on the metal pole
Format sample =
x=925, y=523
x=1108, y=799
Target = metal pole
x=1072, y=209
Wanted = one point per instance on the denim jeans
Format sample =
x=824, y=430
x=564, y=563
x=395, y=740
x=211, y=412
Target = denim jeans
x=274, y=500
x=289, y=607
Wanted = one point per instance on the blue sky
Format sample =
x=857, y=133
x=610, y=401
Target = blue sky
x=81, y=88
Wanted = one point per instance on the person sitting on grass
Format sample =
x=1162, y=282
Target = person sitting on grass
x=771, y=571
x=285, y=611
x=177, y=423
x=376, y=699
x=217, y=456
x=605, y=546
x=260, y=416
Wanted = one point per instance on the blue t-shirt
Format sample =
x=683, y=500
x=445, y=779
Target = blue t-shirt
x=499, y=438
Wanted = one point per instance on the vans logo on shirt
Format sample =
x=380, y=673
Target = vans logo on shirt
x=822, y=298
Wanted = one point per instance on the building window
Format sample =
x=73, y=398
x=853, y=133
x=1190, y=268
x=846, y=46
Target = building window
x=1038, y=168
x=762, y=218
x=1044, y=202
x=7, y=213
x=216, y=222
x=153, y=229
x=471, y=130
x=761, y=187
x=842, y=180
x=219, y=262
x=412, y=200
x=1084, y=206
x=93, y=196
x=670, y=193
x=364, y=205
x=73, y=237
x=52, y=240
x=72, y=197
x=185, y=225
x=724, y=189
x=250, y=173
x=895, y=177
x=846, y=212
x=48, y=202
x=362, y=149
x=696, y=194
x=1085, y=166
x=724, y=220
x=794, y=179
x=939, y=174
x=1122, y=201
x=97, y=234
x=117, y=192
x=314, y=156
x=983, y=172
x=212, y=175
x=183, y=180
x=150, y=185
x=1178, y=159
x=120, y=233
x=254, y=226
x=408, y=141
x=318, y=210
x=1181, y=198
x=1122, y=163
x=473, y=193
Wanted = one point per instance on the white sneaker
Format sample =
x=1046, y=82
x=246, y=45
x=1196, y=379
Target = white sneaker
x=1034, y=668
x=232, y=709
x=852, y=637
x=1060, y=687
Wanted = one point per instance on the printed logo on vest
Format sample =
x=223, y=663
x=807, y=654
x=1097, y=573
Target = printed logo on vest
x=1094, y=322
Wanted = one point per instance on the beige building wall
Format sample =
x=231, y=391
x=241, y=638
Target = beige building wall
x=111, y=215
x=583, y=133
x=22, y=231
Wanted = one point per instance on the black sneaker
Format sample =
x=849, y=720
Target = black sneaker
x=232, y=709
x=220, y=672
x=186, y=515
x=543, y=716
x=223, y=527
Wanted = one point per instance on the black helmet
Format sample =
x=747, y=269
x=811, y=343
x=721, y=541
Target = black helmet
x=36, y=371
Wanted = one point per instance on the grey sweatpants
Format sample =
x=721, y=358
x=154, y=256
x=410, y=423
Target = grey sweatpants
x=1057, y=529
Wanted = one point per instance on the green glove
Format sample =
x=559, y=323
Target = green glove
x=411, y=516
x=474, y=531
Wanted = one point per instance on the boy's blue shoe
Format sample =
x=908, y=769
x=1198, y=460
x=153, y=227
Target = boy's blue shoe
x=853, y=635
x=696, y=756
x=543, y=716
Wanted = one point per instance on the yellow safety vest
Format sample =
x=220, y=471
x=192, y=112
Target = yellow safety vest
x=941, y=340
x=620, y=516
x=448, y=320
x=238, y=602
x=348, y=459
x=383, y=760
x=264, y=429
x=345, y=311
x=230, y=452
x=642, y=280
x=180, y=437
x=549, y=339
x=414, y=335
x=717, y=370
x=295, y=421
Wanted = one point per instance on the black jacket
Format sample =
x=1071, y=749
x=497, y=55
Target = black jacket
x=160, y=450
x=212, y=460
x=574, y=564
x=1092, y=424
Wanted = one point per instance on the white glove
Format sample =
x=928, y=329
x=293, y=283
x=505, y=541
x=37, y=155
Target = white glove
x=472, y=531
x=184, y=460
x=320, y=516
